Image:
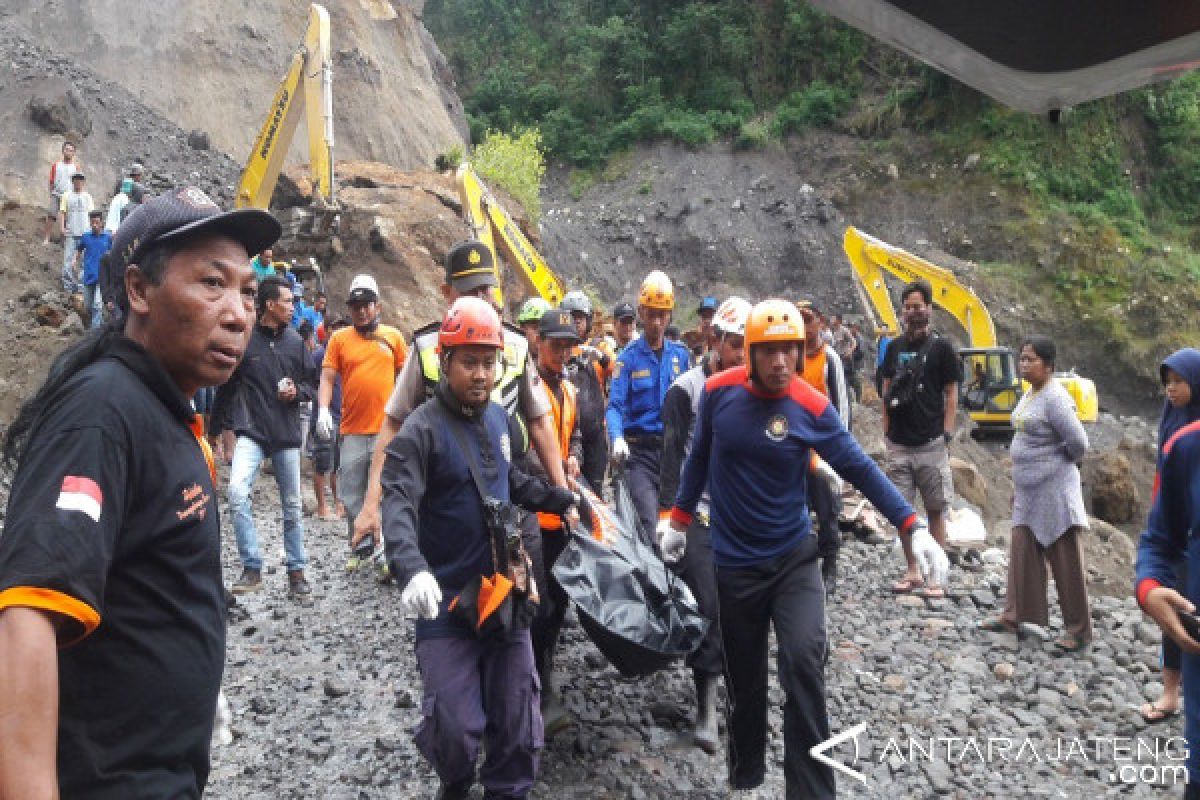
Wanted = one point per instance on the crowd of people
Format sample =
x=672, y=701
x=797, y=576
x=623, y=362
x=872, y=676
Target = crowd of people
x=459, y=460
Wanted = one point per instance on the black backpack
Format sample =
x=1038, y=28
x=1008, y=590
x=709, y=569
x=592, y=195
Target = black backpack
x=905, y=388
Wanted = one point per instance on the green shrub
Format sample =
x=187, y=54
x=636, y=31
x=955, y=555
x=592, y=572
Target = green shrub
x=515, y=163
x=817, y=105
x=688, y=128
x=753, y=135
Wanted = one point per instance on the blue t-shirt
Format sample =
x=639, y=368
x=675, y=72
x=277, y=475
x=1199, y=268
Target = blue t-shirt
x=93, y=246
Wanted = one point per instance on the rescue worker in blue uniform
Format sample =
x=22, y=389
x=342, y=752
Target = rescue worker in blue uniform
x=644, y=372
x=756, y=429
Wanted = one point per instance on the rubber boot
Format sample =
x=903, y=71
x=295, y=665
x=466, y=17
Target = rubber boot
x=705, y=733
x=555, y=716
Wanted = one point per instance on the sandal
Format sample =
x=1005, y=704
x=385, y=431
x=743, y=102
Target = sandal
x=907, y=585
x=1069, y=644
x=997, y=625
x=932, y=593
x=1153, y=713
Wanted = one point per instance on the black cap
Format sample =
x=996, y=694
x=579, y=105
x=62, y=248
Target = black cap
x=79, y=175
x=186, y=212
x=622, y=310
x=557, y=323
x=469, y=265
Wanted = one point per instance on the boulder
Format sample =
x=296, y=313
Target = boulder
x=969, y=483
x=198, y=140
x=1114, y=493
x=57, y=108
x=50, y=316
x=73, y=325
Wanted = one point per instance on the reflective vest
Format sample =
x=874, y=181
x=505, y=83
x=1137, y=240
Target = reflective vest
x=564, y=417
x=509, y=372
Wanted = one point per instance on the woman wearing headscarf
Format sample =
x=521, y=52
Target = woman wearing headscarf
x=1180, y=376
x=1048, y=509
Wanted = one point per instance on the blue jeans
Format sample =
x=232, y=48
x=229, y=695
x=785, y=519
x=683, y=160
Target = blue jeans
x=70, y=277
x=247, y=458
x=94, y=305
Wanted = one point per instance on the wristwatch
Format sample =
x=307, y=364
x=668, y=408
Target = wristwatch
x=947, y=436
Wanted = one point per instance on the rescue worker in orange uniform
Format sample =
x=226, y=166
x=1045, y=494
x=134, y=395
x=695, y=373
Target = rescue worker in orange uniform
x=557, y=338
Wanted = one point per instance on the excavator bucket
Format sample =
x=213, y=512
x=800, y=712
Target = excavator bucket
x=1037, y=55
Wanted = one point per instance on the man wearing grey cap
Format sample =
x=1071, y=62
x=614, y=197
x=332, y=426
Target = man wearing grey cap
x=112, y=612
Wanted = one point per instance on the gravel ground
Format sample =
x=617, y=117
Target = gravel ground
x=325, y=692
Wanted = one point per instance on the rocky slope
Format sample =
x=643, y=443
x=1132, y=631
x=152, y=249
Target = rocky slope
x=213, y=67
x=771, y=221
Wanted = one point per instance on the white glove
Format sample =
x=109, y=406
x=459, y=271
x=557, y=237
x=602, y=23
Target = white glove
x=931, y=558
x=620, y=450
x=422, y=596
x=324, y=424
x=671, y=541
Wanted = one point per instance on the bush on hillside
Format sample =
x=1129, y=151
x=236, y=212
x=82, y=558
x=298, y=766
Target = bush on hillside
x=817, y=105
x=515, y=163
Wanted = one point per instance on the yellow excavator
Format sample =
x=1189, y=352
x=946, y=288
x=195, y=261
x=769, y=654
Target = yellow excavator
x=306, y=89
x=493, y=226
x=991, y=384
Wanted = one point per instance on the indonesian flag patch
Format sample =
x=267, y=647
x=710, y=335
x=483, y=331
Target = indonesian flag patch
x=81, y=494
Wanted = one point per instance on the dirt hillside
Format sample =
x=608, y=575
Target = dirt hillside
x=214, y=66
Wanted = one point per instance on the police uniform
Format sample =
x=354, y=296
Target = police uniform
x=112, y=525
x=517, y=391
x=639, y=385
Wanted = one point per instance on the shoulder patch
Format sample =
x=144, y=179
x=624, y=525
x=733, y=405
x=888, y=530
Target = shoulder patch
x=809, y=398
x=730, y=377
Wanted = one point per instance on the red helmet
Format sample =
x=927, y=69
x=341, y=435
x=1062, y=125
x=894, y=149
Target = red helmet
x=470, y=320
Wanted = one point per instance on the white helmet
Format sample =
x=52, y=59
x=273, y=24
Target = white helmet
x=731, y=316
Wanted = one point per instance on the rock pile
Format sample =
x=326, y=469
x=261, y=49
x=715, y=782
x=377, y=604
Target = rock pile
x=324, y=694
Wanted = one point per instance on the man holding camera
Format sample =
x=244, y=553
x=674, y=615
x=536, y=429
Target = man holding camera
x=448, y=481
x=261, y=404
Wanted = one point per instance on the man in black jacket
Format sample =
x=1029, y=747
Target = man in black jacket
x=261, y=404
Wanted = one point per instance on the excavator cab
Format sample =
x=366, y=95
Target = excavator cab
x=991, y=387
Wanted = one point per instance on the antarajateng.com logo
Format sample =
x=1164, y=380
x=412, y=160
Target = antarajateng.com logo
x=1157, y=761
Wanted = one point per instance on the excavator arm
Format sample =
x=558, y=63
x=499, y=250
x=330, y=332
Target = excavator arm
x=306, y=89
x=870, y=258
x=493, y=226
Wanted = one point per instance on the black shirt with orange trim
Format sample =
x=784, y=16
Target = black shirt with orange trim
x=112, y=526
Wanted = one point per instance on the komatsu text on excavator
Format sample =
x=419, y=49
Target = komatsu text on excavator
x=306, y=89
x=991, y=385
x=493, y=226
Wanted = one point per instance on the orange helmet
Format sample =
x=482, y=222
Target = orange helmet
x=470, y=320
x=773, y=320
x=657, y=291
